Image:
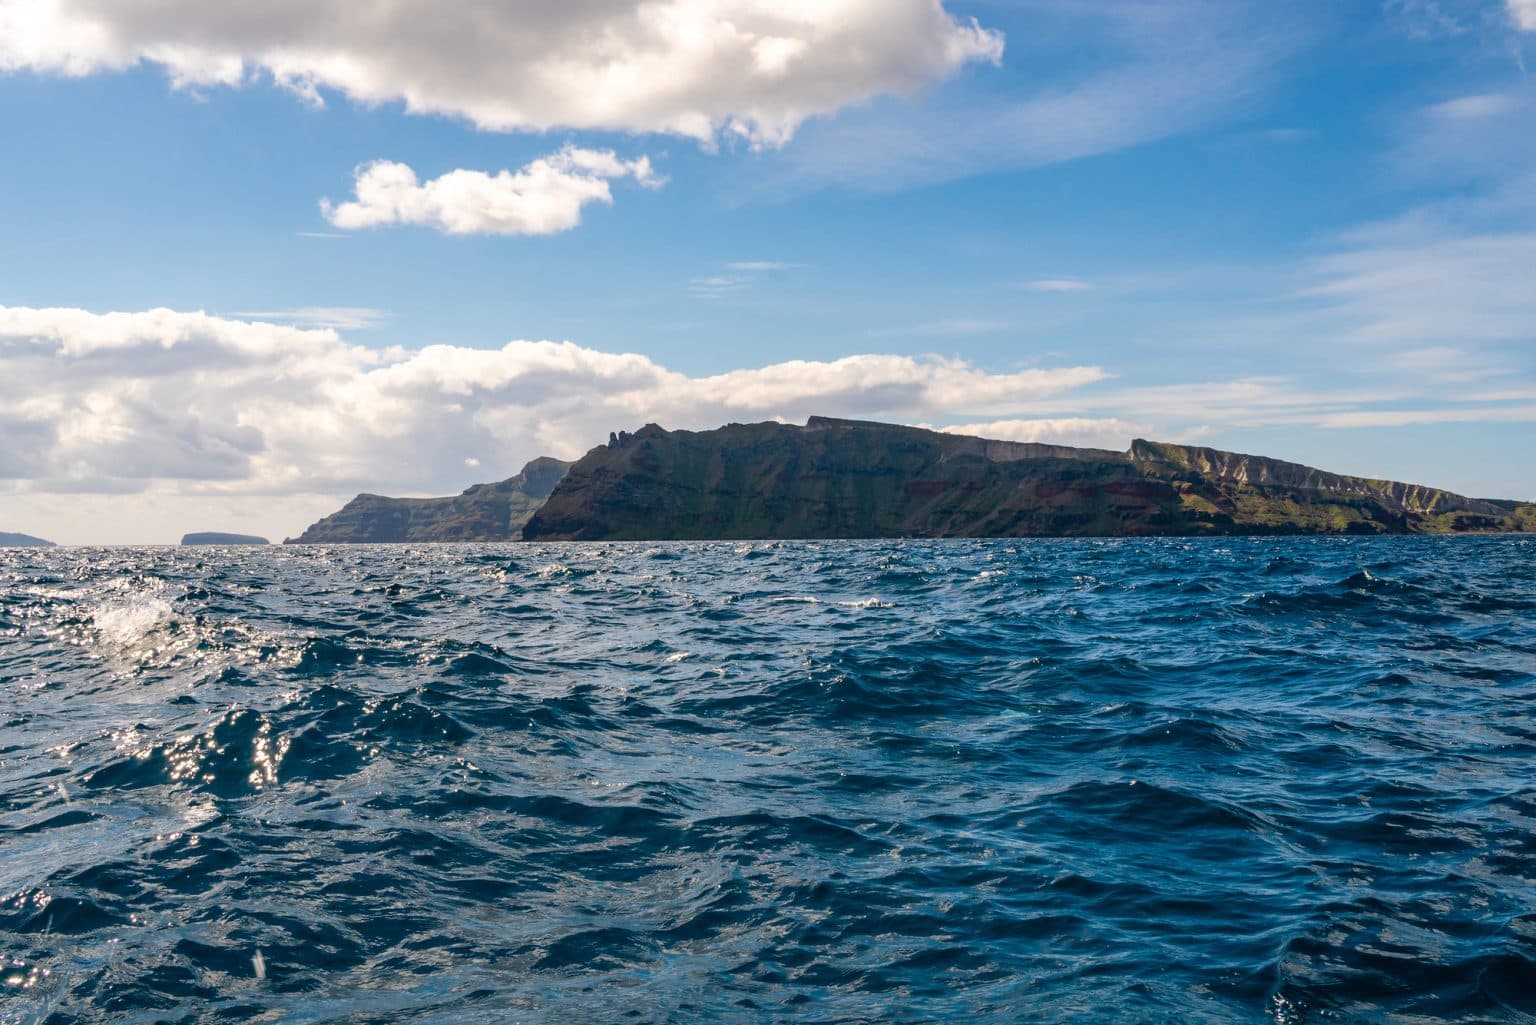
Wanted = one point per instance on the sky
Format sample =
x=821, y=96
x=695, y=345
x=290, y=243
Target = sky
x=255, y=259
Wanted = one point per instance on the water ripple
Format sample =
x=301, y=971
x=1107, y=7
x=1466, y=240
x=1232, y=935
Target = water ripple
x=1227, y=781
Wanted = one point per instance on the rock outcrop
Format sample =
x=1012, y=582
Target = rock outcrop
x=851, y=479
x=213, y=537
x=9, y=540
x=485, y=512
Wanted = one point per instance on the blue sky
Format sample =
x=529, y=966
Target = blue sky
x=1303, y=229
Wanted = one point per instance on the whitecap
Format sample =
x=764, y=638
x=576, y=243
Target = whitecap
x=125, y=624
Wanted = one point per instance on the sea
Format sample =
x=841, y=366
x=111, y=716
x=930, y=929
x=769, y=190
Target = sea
x=1097, y=781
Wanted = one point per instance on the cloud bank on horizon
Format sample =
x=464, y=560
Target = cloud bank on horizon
x=115, y=402
x=120, y=402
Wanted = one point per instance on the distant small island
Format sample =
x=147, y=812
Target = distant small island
x=835, y=478
x=9, y=540
x=216, y=538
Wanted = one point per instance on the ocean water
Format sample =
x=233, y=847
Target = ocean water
x=1204, y=781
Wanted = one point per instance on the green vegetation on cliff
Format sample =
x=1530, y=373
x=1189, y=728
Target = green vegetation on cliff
x=849, y=479
x=485, y=512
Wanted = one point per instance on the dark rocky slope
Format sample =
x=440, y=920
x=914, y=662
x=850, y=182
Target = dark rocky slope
x=10, y=540
x=848, y=479
x=485, y=512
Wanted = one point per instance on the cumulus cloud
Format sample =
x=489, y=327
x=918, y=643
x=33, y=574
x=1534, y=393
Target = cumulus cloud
x=1069, y=431
x=1110, y=433
x=754, y=68
x=119, y=401
x=140, y=426
x=1524, y=14
x=544, y=197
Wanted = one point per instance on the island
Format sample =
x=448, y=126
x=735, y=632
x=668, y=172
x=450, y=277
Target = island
x=835, y=478
x=484, y=512
x=216, y=538
x=10, y=540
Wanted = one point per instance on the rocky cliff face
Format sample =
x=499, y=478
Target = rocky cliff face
x=485, y=512
x=848, y=479
x=1262, y=472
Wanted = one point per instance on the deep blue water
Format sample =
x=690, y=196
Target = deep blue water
x=1039, y=781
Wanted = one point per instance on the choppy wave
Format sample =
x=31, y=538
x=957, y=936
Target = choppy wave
x=1041, y=781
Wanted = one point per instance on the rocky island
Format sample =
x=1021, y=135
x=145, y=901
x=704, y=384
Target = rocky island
x=853, y=479
x=836, y=478
x=10, y=540
x=485, y=512
x=214, y=537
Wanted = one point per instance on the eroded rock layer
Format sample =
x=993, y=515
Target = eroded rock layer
x=851, y=479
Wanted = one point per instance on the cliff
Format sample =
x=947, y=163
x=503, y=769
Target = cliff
x=216, y=538
x=848, y=479
x=9, y=540
x=485, y=512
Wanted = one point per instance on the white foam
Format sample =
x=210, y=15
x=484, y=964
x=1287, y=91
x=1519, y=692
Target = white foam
x=859, y=603
x=127, y=623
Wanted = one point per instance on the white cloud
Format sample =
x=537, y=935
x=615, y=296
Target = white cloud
x=342, y=318
x=1059, y=285
x=948, y=327
x=1447, y=364
x=1432, y=287
x=755, y=68
x=1110, y=433
x=1524, y=14
x=543, y=198
x=1477, y=106
x=126, y=401
x=1481, y=139
x=1142, y=71
x=715, y=286
x=170, y=418
x=1429, y=415
x=1452, y=273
